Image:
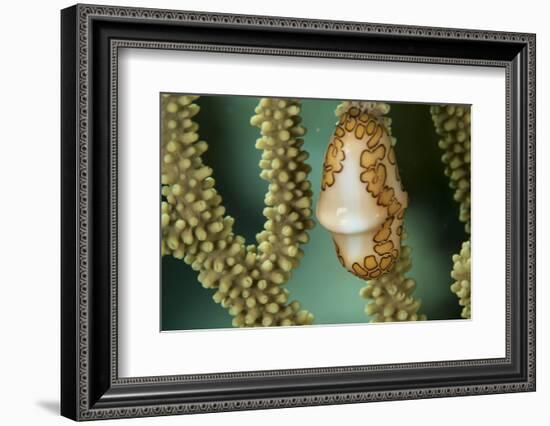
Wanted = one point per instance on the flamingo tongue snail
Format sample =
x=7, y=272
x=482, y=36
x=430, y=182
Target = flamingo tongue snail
x=362, y=201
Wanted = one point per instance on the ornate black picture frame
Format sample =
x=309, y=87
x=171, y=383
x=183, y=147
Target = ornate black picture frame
x=91, y=387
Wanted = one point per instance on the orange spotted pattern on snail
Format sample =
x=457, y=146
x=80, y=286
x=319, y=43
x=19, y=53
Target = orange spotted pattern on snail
x=362, y=200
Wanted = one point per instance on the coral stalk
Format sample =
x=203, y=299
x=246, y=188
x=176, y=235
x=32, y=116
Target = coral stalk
x=248, y=279
x=461, y=276
x=391, y=294
x=452, y=123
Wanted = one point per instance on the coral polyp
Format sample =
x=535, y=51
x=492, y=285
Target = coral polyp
x=248, y=279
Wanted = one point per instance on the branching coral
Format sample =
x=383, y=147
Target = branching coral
x=461, y=275
x=452, y=123
x=248, y=279
x=391, y=294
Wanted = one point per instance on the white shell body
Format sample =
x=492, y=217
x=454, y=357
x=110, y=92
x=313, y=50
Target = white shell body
x=362, y=201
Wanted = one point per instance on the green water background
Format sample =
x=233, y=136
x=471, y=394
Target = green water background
x=320, y=284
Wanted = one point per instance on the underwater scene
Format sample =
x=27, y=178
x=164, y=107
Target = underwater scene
x=283, y=211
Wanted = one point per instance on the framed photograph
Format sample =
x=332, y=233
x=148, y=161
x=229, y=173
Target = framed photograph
x=263, y=212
